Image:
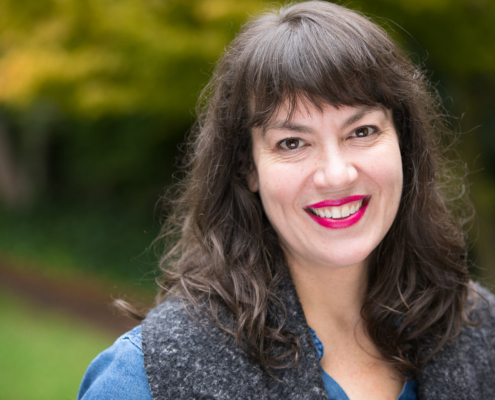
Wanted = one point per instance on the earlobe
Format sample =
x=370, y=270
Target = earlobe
x=252, y=179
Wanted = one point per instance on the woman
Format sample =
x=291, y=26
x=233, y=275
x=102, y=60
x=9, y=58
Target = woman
x=317, y=255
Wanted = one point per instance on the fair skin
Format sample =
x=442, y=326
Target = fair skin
x=328, y=160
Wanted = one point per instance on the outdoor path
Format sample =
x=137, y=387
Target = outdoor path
x=84, y=300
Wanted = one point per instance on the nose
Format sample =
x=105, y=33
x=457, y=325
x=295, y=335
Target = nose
x=334, y=170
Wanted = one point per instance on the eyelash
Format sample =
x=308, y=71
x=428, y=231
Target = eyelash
x=283, y=143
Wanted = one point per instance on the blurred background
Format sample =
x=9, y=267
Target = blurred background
x=96, y=97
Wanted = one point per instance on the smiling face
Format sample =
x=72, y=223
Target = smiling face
x=330, y=181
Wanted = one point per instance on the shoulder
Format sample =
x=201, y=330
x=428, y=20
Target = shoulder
x=481, y=312
x=482, y=302
x=481, y=336
x=177, y=323
x=171, y=316
x=187, y=356
x=181, y=347
x=118, y=372
x=467, y=364
x=176, y=335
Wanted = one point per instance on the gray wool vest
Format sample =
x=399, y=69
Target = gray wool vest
x=192, y=359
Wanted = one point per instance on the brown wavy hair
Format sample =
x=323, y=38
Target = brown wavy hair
x=224, y=253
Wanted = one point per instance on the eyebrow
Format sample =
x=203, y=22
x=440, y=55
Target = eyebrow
x=362, y=111
x=288, y=126
x=300, y=128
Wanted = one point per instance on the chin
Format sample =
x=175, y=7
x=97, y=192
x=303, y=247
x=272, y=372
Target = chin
x=352, y=257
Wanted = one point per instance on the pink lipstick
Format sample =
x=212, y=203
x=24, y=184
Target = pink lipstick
x=339, y=223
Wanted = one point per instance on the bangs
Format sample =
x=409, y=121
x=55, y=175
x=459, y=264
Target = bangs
x=338, y=61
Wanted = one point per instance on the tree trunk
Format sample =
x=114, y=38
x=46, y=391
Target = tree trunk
x=14, y=186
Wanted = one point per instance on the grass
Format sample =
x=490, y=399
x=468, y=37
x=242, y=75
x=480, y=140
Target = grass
x=43, y=354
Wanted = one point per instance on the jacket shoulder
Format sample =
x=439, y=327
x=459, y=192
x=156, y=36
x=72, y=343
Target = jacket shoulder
x=483, y=303
x=466, y=366
x=188, y=357
x=170, y=321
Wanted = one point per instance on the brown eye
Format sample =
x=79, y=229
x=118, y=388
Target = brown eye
x=291, y=144
x=364, y=131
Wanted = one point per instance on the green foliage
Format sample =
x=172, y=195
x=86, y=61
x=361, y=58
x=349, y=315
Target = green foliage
x=95, y=95
x=457, y=35
x=44, y=355
x=116, y=82
x=98, y=57
x=66, y=240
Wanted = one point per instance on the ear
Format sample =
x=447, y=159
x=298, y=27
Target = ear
x=253, y=179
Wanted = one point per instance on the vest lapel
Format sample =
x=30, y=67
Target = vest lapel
x=185, y=359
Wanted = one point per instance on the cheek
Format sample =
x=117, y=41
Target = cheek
x=390, y=176
x=385, y=163
x=390, y=173
x=279, y=185
x=384, y=170
x=394, y=171
x=273, y=185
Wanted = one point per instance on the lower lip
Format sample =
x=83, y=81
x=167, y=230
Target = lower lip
x=342, y=222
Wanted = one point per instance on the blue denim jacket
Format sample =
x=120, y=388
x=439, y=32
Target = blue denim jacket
x=118, y=373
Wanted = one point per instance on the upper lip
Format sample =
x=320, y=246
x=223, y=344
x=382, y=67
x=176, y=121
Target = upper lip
x=336, y=202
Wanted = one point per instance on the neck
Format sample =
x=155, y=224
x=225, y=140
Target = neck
x=331, y=297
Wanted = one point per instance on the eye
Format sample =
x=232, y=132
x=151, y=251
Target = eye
x=291, y=144
x=364, y=131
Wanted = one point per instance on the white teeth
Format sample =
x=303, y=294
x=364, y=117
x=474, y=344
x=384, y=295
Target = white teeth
x=338, y=212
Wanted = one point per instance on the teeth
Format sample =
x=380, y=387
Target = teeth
x=338, y=212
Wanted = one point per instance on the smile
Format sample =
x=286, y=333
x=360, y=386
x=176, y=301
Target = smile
x=341, y=213
x=338, y=212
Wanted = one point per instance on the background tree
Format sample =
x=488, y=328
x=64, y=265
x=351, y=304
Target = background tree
x=96, y=95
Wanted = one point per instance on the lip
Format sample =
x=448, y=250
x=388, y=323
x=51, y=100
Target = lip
x=336, y=202
x=342, y=222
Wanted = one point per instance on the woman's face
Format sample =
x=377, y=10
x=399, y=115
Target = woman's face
x=330, y=181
